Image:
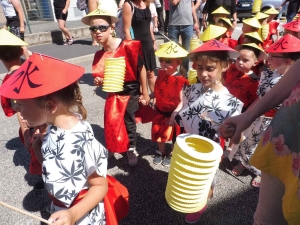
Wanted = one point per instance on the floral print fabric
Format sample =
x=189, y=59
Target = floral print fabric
x=215, y=105
x=70, y=157
x=278, y=153
x=246, y=148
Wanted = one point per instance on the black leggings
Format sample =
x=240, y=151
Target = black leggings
x=166, y=21
x=160, y=18
x=129, y=118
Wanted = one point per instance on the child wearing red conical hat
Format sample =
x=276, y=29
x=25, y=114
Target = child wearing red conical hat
x=168, y=95
x=282, y=54
x=249, y=25
x=10, y=52
x=74, y=162
x=292, y=28
x=240, y=79
x=209, y=98
x=120, y=107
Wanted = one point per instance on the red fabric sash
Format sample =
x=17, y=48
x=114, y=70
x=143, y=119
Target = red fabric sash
x=116, y=203
x=116, y=137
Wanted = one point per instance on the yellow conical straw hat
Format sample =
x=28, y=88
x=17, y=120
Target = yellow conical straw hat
x=211, y=32
x=262, y=55
x=271, y=11
x=253, y=22
x=105, y=8
x=221, y=10
x=171, y=50
x=261, y=15
x=254, y=35
x=226, y=20
x=7, y=38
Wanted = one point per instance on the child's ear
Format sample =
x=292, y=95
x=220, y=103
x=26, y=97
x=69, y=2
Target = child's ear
x=255, y=63
x=225, y=68
x=51, y=106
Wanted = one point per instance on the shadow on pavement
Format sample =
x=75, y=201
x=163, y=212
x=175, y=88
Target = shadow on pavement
x=88, y=79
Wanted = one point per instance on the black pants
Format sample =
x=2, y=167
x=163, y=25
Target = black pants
x=160, y=18
x=129, y=118
x=166, y=21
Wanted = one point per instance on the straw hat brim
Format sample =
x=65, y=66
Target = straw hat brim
x=86, y=19
x=7, y=38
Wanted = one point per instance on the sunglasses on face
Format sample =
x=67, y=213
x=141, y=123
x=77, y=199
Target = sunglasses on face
x=101, y=28
x=166, y=60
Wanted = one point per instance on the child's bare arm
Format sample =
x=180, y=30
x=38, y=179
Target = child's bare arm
x=96, y=193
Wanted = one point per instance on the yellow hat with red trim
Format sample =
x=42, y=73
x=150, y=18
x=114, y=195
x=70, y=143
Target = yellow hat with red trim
x=212, y=32
x=262, y=54
x=171, y=50
x=253, y=22
x=261, y=15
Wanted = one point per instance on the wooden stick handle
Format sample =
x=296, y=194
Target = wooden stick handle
x=24, y=212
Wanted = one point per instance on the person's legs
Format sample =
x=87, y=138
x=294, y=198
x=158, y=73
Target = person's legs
x=290, y=16
x=129, y=119
x=160, y=154
x=173, y=33
x=186, y=33
x=166, y=21
x=160, y=18
x=151, y=80
x=269, y=206
x=62, y=26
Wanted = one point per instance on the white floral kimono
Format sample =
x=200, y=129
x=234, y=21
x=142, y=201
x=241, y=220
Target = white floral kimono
x=246, y=148
x=215, y=105
x=70, y=157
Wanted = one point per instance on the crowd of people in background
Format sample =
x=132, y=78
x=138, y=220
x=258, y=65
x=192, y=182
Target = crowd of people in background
x=245, y=97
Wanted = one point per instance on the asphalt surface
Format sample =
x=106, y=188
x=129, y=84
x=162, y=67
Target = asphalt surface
x=234, y=199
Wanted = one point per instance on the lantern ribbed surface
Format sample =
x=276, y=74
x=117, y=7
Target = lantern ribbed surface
x=194, y=163
x=114, y=74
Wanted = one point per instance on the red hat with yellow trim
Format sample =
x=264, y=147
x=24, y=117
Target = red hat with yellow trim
x=214, y=45
x=40, y=75
x=293, y=26
x=288, y=43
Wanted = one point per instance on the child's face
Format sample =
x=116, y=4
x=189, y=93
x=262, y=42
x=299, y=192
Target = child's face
x=245, y=61
x=31, y=112
x=276, y=60
x=247, y=28
x=169, y=65
x=101, y=29
x=208, y=73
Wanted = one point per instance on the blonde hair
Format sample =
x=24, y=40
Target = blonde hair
x=70, y=96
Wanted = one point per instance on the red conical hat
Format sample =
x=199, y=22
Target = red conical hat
x=214, y=45
x=293, y=26
x=40, y=75
x=288, y=43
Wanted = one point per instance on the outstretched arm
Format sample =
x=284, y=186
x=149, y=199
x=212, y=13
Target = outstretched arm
x=281, y=91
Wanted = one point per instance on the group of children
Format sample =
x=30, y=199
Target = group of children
x=74, y=165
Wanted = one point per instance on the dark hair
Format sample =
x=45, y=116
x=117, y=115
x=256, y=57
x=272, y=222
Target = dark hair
x=70, y=96
x=256, y=52
x=9, y=52
x=252, y=40
x=293, y=56
x=222, y=23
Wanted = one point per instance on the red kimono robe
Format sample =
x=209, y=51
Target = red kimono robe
x=167, y=93
x=116, y=137
x=241, y=85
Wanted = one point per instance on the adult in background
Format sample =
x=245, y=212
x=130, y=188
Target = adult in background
x=183, y=20
x=136, y=14
x=167, y=10
x=212, y=5
x=61, y=14
x=292, y=9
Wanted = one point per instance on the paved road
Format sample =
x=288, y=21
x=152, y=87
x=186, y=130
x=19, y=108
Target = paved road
x=234, y=200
